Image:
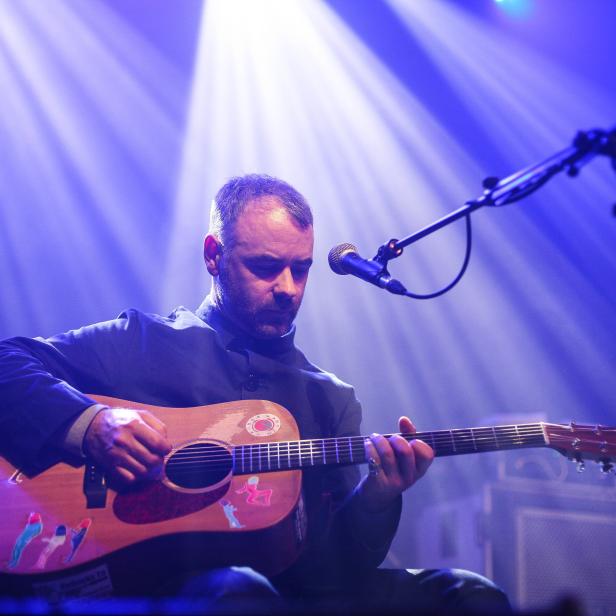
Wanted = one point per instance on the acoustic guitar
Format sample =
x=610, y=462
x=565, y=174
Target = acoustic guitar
x=229, y=494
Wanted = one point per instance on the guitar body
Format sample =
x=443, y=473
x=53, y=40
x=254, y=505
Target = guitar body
x=174, y=523
x=229, y=493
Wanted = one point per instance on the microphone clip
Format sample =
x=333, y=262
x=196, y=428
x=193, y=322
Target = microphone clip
x=387, y=252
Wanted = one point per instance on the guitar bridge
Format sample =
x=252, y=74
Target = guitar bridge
x=94, y=487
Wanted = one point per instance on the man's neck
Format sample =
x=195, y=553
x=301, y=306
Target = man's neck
x=215, y=316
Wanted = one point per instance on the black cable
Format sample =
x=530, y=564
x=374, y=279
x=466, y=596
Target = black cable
x=455, y=281
x=497, y=193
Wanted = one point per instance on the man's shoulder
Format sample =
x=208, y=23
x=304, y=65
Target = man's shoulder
x=179, y=318
x=319, y=374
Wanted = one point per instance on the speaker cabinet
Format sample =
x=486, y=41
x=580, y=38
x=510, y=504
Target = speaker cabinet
x=539, y=540
x=545, y=540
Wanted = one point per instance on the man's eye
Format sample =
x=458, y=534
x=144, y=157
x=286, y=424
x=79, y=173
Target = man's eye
x=264, y=269
x=300, y=271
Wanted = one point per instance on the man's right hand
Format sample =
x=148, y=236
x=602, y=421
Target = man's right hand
x=128, y=444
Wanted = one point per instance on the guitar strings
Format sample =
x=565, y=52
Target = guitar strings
x=321, y=446
x=286, y=461
x=330, y=444
x=313, y=452
x=432, y=437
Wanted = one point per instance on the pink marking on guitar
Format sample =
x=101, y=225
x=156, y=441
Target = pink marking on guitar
x=255, y=496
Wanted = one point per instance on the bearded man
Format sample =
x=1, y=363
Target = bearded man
x=238, y=345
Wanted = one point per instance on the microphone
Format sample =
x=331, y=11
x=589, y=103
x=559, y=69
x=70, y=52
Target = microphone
x=344, y=259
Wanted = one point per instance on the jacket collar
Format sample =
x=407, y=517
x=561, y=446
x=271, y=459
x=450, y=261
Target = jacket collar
x=233, y=337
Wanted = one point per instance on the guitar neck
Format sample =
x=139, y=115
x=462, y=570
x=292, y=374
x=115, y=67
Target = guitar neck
x=296, y=455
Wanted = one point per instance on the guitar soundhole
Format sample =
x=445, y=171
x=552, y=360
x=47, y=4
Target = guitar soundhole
x=199, y=465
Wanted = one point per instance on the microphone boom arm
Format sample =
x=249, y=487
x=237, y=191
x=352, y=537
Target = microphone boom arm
x=586, y=146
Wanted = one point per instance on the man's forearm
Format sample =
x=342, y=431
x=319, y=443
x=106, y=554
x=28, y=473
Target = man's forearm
x=368, y=533
x=36, y=407
x=72, y=440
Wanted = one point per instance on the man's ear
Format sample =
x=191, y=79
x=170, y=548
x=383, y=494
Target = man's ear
x=212, y=251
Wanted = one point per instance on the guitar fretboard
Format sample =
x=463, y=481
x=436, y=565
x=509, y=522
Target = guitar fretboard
x=295, y=455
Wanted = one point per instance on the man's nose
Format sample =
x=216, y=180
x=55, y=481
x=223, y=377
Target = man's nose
x=285, y=283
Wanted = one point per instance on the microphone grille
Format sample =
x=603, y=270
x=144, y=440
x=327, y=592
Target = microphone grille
x=336, y=254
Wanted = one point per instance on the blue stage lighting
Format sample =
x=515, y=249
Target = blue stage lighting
x=516, y=8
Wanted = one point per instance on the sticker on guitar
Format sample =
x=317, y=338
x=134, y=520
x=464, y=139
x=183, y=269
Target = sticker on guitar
x=16, y=478
x=77, y=536
x=230, y=510
x=33, y=528
x=264, y=424
x=53, y=543
x=255, y=496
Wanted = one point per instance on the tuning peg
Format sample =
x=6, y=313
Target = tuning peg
x=577, y=458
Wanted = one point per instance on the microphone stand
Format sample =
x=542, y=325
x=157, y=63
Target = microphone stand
x=515, y=187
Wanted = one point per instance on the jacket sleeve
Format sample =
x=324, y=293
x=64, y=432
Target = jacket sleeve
x=364, y=537
x=44, y=382
x=343, y=539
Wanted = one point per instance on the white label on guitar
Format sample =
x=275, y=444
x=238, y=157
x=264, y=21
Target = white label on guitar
x=16, y=478
x=94, y=582
x=264, y=424
x=230, y=509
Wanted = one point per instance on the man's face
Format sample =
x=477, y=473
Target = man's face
x=262, y=277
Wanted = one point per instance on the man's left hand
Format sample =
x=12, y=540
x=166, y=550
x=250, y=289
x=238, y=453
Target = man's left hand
x=396, y=465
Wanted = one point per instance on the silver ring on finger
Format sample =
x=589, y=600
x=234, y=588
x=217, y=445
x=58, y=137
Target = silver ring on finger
x=374, y=467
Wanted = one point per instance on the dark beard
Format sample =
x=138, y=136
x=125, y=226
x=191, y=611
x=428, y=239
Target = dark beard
x=236, y=308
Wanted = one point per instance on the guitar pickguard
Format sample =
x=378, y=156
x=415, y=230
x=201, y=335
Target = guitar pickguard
x=155, y=502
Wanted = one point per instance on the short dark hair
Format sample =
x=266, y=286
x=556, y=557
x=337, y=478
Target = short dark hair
x=231, y=200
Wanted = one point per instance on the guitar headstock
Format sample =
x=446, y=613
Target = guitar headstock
x=583, y=442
